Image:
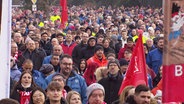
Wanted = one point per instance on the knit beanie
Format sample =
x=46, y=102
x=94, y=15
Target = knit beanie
x=46, y=68
x=113, y=61
x=123, y=62
x=92, y=87
x=98, y=47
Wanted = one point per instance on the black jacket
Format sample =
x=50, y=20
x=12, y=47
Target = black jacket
x=63, y=101
x=36, y=56
x=76, y=53
x=111, y=85
x=16, y=91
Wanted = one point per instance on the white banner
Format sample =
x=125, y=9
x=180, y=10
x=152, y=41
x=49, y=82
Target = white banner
x=5, y=40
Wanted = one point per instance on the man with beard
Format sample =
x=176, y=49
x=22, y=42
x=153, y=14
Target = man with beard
x=73, y=80
x=142, y=96
x=99, y=57
x=154, y=57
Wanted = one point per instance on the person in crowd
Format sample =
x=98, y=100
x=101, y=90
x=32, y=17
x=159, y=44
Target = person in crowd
x=54, y=94
x=127, y=91
x=95, y=94
x=140, y=91
x=14, y=72
x=37, y=76
x=113, y=81
x=55, y=62
x=57, y=50
x=100, y=38
x=77, y=40
x=142, y=95
x=17, y=55
x=54, y=41
x=68, y=45
x=8, y=101
x=122, y=40
x=107, y=48
x=47, y=69
x=34, y=54
x=82, y=66
x=158, y=77
x=127, y=54
x=17, y=37
x=23, y=88
x=154, y=57
x=101, y=72
x=98, y=57
x=150, y=45
x=89, y=50
x=111, y=56
x=76, y=54
x=38, y=96
x=73, y=80
x=73, y=97
x=129, y=45
x=60, y=38
x=45, y=43
x=60, y=79
x=89, y=73
x=123, y=66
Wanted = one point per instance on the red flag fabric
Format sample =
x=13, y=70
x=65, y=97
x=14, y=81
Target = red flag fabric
x=64, y=13
x=136, y=72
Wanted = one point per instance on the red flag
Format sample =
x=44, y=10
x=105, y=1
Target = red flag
x=64, y=14
x=136, y=72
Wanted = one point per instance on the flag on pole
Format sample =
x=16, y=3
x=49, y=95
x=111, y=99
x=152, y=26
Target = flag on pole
x=173, y=56
x=64, y=14
x=136, y=73
x=5, y=40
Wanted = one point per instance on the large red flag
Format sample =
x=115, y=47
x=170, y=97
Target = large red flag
x=64, y=14
x=136, y=72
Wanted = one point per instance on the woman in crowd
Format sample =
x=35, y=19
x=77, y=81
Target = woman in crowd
x=38, y=96
x=82, y=66
x=73, y=97
x=22, y=90
x=100, y=73
x=128, y=90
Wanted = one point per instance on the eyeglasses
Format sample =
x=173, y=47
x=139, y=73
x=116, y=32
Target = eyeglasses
x=70, y=64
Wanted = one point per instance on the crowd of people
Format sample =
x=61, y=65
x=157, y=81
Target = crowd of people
x=86, y=61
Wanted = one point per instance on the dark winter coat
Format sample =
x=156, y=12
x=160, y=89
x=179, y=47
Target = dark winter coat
x=36, y=56
x=111, y=85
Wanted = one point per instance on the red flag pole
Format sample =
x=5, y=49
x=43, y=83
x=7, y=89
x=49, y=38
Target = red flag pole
x=64, y=13
x=136, y=73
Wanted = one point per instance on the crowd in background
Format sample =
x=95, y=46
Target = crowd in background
x=92, y=52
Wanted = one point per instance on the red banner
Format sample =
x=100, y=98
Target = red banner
x=173, y=78
x=64, y=14
x=136, y=72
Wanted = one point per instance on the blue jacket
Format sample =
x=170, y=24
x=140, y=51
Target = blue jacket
x=38, y=79
x=15, y=73
x=154, y=59
x=76, y=83
x=47, y=59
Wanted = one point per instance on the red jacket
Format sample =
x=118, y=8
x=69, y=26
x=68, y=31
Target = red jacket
x=94, y=59
x=158, y=87
x=68, y=49
x=92, y=64
x=89, y=73
x=122, y=50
